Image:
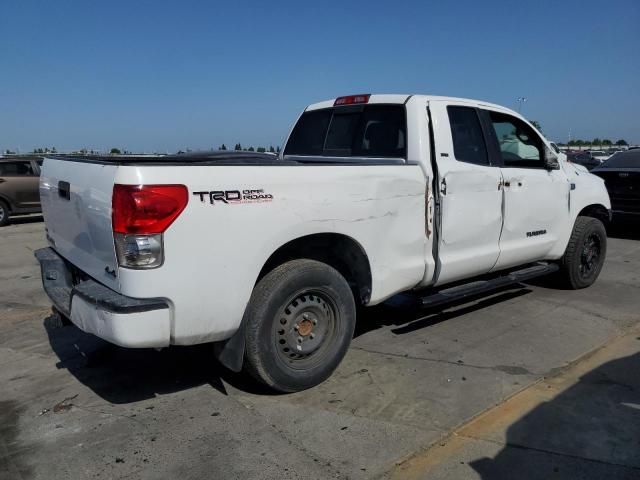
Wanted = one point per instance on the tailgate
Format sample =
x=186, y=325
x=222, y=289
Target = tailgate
x=76, y=204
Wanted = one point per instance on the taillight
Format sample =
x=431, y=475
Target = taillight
x=147, y=209
x=352, y=99
x=140, y=215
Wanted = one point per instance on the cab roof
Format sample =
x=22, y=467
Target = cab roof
x=404, y=98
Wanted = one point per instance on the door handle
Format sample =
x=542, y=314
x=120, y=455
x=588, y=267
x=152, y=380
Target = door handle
x=64, y=190
x=507, y=183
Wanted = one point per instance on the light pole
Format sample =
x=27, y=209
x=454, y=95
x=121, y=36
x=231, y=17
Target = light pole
x=521, y=100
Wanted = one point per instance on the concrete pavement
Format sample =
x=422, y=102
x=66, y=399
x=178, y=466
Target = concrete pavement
x=76, y=407
x=582, y=423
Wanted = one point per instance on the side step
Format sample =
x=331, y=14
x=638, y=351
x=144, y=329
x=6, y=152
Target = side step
x=483, y=286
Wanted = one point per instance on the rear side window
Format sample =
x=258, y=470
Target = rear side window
x=16, y=169
x=468, y=141
x=359, y=131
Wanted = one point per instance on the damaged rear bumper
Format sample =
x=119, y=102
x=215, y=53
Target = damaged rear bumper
x=96, y=309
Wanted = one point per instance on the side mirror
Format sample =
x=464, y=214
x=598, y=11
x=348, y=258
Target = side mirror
x=550, y=160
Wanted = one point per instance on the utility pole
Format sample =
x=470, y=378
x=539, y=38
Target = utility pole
x=521, y=100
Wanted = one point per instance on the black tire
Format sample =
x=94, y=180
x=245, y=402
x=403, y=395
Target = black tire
x=4, y=213
x=584, y=257
x=298, y=325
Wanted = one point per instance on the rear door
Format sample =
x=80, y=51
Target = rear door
x=536, y=200
x=19, y=184
x=470, y=193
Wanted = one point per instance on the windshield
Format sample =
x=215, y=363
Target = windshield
x=355, y=131
x=630, y=159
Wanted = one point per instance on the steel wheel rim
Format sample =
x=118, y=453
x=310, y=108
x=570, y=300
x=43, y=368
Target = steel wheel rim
x=1, y=213
x=304, y=327
x=590, y=255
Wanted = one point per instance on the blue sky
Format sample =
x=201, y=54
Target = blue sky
x=162, y=76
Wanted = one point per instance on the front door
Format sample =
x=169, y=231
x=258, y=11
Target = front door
x=536, y=199
x=470, y=193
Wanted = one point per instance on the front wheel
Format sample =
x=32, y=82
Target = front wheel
x=585, y=254
x=299, y=324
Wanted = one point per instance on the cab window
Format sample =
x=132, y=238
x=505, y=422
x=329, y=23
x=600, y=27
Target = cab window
x=369, y=131
x=466, y=133
x=519, y=145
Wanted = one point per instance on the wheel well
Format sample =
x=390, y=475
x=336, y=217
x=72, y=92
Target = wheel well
x=596, y=211
x=341, y=252
x=6, y=202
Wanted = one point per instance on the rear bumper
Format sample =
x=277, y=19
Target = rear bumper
x=96, y=309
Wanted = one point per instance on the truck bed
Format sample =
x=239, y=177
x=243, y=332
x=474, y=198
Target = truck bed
x=221, y=158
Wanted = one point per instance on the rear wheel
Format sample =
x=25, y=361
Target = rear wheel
x=299, y=323
x=4, y=213
x=585, y=254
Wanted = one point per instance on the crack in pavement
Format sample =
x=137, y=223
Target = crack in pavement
x=508, y=369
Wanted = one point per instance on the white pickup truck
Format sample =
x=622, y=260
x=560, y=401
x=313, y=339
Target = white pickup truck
x=269, y=256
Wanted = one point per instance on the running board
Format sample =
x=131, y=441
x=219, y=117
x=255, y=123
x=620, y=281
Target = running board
x=472, y=289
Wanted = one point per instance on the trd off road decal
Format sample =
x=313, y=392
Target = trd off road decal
x=231, y=197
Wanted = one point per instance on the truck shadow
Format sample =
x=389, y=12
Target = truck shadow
x=123, y=375
x=591, y=431
x=400, y=311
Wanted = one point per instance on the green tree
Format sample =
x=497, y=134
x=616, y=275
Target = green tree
x=53, y=150
x=261, y=149
x=223, y=147
x=250, y=149
x=536, y=124
x=9, y=152
x=596, y=141
x=622, y=143
x=271, y=149
x=115, y=151
x=278, y=149
x=238, y=147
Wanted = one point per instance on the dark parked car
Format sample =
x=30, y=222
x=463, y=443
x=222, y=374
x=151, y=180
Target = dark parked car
x=621, y=174
x=19, y=179
x=583, y=158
